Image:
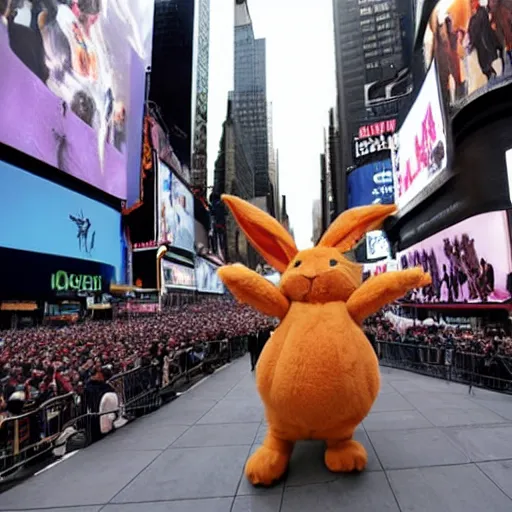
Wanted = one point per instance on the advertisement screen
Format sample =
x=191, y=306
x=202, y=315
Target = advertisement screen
x=377, y=245
x=207, y=280
x=47, y=218
x=178, y=276
x=371, y=184
x=422, y=143
x=73, y=83
x=471, y=42
x=175, y=210
x=469, y=262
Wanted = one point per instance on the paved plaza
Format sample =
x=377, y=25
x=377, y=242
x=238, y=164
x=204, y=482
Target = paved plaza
x=432, y=447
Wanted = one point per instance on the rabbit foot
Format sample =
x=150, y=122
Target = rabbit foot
x=345, y=456
x=266, y=466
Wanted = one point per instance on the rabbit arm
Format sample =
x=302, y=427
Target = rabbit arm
x=382, y=289
x=250, y=288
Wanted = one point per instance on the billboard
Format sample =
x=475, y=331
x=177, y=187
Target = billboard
x=47, y=218
x=377, y=245
x=469, y=262
x=207, y=280
x=175, y=210
x=422, y=144
x=73, y=85
x=471, y=42
x=177, y=276
x=371, y=184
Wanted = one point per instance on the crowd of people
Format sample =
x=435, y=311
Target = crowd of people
x=484, y=341
x=46, y=361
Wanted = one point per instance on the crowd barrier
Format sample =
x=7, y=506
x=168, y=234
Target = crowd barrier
x=71, y=421
x=489, y=371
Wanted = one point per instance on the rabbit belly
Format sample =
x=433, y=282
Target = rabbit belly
x=319, y=372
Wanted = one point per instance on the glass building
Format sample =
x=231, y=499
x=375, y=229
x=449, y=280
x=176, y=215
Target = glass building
x=250, y=95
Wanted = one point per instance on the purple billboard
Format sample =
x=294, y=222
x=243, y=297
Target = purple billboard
x=469, y=262
x=73, y=85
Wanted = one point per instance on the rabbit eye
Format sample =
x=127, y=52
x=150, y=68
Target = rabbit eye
x=333, y=263
x=297, y=263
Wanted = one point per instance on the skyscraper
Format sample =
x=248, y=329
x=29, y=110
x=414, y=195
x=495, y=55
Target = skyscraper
x=250, y=95
x=372, y=41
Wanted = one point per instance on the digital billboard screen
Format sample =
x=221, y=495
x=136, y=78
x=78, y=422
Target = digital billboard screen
x=371, y=184
x=421, y=152
x=471, y=43
x=377, y=245
x=177, y=276
x=469, y=262
x=73, y=86
x=175, y=210
x=207, y=279
x=42, y=217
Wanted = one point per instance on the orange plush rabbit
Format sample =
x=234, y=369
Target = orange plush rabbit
x=318, y=375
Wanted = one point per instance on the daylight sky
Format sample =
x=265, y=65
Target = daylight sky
x=300, y=85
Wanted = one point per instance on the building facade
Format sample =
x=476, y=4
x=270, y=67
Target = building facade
x=373, y=36
x=200, y=97
x=250, y=95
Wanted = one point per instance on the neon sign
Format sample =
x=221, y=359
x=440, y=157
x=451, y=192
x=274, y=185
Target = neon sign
x=62, y=281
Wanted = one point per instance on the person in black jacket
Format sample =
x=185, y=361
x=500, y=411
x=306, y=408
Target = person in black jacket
x=252, y=346
x=263, y=337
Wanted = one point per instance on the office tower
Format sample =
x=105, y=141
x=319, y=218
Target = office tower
x=200, y=96
x=273, y=171
x=250, y=95
x=372, y=41
x=317, y=221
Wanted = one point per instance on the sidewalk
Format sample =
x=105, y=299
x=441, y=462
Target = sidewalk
x=432, y=447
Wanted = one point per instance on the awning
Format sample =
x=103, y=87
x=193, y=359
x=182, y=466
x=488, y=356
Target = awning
x=99, y=306
x=19, y=306
x=122, y=288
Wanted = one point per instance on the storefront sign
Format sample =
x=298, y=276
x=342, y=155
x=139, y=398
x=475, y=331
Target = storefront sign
x=63, y=282
x=376, y=129
x=374, y=144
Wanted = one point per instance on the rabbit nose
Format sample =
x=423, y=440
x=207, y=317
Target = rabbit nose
x=310, y=278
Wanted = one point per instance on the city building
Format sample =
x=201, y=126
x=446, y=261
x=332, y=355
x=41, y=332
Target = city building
x=250, y=96
x=273, y=166
x=200, y=97
x=373, y=39
x=317, y=221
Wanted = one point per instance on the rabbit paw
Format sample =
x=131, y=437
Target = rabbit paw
x=266, y=466
x=422, y=278
x=345, y=457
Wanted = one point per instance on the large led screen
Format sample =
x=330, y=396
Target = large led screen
x=73, y=85
x=177, y=276
x=175, y=210
x=471, y=42
x=469, y=262
x=371, y=184
x=40, y=216
x=421, y=144
x=207, y=279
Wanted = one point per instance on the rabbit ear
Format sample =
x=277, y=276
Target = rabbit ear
x=264, y=233
x=353, y=224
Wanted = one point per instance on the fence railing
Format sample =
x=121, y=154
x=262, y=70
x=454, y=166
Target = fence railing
x=35, y=434
x=493, y=372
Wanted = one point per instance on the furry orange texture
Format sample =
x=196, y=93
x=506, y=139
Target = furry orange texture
x=318, y=375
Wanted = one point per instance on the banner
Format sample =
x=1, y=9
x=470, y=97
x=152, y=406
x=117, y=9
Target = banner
x=175, y=210
x=471, y=42
x=376, y=129
x=469, y=262
x=422, y=143
x=73, y=85
x=47, y=218
x=371, y=184
x=370, y=145
x=177, y=276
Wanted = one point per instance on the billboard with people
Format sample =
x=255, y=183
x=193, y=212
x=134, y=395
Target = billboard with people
x=421, y=153
x=177, y=276
x=175, y=210
x=471, y=42
x=50, y=219
x=469, y=262
x=73, y=85
x=207, y=279
x=371, y=184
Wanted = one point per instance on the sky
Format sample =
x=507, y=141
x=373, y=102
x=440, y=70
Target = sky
x=300, y=84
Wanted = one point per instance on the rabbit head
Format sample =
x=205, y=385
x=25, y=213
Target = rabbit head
x=321, y=274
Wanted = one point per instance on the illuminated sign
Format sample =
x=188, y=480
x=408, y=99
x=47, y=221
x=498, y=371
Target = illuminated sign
x=63, y=282
x=377, y=129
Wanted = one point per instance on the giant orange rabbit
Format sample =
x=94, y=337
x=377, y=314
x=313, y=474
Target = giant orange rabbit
x=318, y=375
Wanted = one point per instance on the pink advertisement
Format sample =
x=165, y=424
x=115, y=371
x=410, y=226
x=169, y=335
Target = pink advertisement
x=469, y=262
